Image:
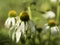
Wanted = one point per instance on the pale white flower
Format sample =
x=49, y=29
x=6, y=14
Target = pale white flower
x=22, y=25
x=22, y=28
x=19, y=31
x=49, y=14
x=53, y=29
x=14, y=30
x=9, y=23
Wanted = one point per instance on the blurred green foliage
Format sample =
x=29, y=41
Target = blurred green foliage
x=18, y=5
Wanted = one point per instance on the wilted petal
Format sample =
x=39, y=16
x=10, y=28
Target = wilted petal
x=26, y=25
x=32, y=26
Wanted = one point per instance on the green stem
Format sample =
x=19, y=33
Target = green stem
x=49, y=35
x=29, y=12
x=57, y=18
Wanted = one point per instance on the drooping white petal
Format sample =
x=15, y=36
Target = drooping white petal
x=32, y=26
x=13, y=21
x=54, y=30
x=11, y=24
x=19, y=31
x=18, y=23
x=18, y=35
x=23, y=27
x=11, y=30
x=46, y=27
x=16, y=31
x=26, y=26
x=7, y=22
x=13, y=36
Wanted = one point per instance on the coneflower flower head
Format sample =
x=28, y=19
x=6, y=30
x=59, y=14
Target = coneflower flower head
x=24, y=16
x=51, y=23
x=12, y=13
x=23, y=24
x=10, y=21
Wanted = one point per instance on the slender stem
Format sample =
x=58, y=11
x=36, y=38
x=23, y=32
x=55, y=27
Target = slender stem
x=29, y=12
x=57, y=18
x=49, y=35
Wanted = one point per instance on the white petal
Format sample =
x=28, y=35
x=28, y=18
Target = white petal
x=18, y=35
x=13, y=35
x=8, y=23
x=26, y=25
x=18, y=23
x=54, y=30
x=46, y=27
x=23, y=27
x=11, y=30
x=20, y=30
x=32, y=26
x=12, y=24
x=13, y=21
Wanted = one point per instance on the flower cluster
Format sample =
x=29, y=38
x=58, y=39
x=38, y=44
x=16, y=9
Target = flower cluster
x=22, y=24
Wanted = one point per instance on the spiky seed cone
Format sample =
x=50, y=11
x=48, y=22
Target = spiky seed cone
x=12, y=13
x=24, y=16
x=51, y=23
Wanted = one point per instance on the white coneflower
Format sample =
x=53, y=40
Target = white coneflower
x=10, y=22
x=52, y=26
x=24, y=24
x=49, y=14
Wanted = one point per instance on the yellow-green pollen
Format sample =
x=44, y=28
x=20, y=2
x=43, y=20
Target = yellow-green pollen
x=51, y=23
x=12, y=13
